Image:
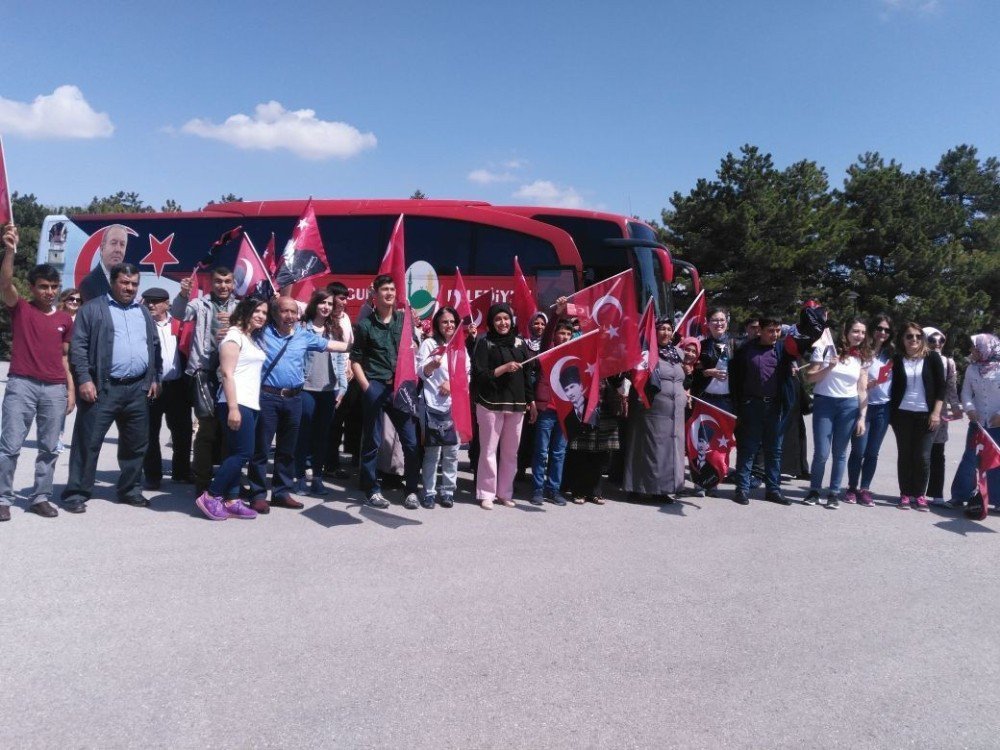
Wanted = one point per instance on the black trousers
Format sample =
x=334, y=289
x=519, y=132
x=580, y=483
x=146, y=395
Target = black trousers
x=174, y=404
x=346, y=428
x=935, y=485
x=124, y=406
x=913, y=447
x=588, y=467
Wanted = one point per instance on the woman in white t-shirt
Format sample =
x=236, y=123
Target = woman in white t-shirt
x=840, y=402
x=441, y=441
x=241, y=357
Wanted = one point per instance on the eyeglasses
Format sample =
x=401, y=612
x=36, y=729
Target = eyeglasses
x=913, y=336
x=74, y=300
x=935, y=339
x=883, y=329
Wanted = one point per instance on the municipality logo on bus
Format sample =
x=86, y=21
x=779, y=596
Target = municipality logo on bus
x=422, y=288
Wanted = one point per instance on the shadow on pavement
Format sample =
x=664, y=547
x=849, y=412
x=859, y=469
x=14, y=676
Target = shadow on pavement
x=389, y=520
x=964, y=526
x=328, y=517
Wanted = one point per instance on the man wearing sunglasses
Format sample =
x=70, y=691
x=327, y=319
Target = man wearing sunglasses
x=39, y=385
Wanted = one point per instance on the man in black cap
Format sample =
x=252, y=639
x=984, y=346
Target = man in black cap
x=174, y=402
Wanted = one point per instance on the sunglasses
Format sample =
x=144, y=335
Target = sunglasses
x=913, y=336
x=75, y=300
x=935, y=339
x=883, y=329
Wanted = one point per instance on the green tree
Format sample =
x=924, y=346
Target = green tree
x=171, y=206
x=418, y=194
x=760, y=236
x=227, y=198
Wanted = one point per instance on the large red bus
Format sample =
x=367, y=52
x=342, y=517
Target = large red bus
x=559, y=249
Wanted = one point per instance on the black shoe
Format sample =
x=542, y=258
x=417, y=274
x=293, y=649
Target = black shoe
x=427, y=503
x=45, y=509
x=832, y=501
x=537, y=499
x=447, y=501
x=137, y=501
x=80, y=507
x=151, y=484
x=740, y=498
x=316, y=488
x=812, y=498
x=666, y=499
x=4, y=513
x=775, y=496
x=557, y=499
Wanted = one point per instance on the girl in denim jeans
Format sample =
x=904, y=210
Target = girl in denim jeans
x=839, y=408
x=865, y=447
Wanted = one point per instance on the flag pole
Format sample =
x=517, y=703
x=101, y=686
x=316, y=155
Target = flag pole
x=5, y=184
x=531, y=359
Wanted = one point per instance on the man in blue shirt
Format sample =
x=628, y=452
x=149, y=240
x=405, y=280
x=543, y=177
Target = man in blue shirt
x=285, y=344
x=115, y=359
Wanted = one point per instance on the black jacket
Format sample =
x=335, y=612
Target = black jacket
x=786, y=380
x=933, y=377
x=512, y=391
x=708, y=360
x=95, y=284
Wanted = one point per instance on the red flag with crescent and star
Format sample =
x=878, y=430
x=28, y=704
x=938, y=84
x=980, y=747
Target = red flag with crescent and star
x=270, y=258
x=524, y=302
x=610, y=306
x=250, y=278
x=572, y=371
x=710, y=438
x=694, y=322
x=394, y=262
x=987, y=459
x=479, y=308
x=457, y=298
x=458, y=380
x=647, y=347
x=304, y=255
x=6, y=207
x=404, y=381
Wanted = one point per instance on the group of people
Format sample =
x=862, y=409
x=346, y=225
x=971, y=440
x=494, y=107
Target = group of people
x=263, y=376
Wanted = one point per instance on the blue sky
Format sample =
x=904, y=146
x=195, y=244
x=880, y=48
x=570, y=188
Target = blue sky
x=606, y=105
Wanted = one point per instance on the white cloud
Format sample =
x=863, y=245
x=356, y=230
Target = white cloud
x=62, y=114
x=515, y=164
x=922, y=7
x=273, y=127
x=547, y=193
x=486, y=177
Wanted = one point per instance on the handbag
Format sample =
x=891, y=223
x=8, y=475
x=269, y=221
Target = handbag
x=204, y=386
x=439, y=427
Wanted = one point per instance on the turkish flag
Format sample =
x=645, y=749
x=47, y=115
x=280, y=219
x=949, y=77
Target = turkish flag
x=884, y=373
x=648, y=351
x=573, y=373
x=404, y=381
x=250, y=278
x=457, y=298
x=695, y=320
x=269, y=258
x=394, y=262
x=6, y=209
x=304, y=254
x=479, y=309
x=988, y=458
x=610, y=306
x=524, y=302
x=710, y=439
x=458, y=379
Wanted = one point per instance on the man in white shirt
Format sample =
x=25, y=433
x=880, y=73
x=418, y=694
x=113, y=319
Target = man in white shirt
x=173, y=403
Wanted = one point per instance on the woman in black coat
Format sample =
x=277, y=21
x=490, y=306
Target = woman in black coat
x=916, y=397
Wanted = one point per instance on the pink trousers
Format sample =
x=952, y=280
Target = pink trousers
x=499, y=435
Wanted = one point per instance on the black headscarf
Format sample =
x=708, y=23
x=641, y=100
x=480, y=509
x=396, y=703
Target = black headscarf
x=508, y=340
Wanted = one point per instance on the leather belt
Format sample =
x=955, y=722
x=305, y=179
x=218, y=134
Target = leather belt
x=283, y=392
x=126, y=381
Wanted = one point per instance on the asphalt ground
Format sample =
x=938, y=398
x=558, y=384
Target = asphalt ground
x=699, y=625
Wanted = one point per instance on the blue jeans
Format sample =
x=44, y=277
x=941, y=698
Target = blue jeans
x=27, y=400
x=374, y=402
x=834, y=420
x=864, y=449
x=314, y=430
x=240, y=445
x=448, y=456
x=760, y=425
x=279, y=421
x=964, y=486
x=550, y=449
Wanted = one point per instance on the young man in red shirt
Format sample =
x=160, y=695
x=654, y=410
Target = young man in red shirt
x=39, y=384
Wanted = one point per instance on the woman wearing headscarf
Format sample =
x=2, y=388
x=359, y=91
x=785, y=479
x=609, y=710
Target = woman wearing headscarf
x=952, y=410
x=916, y=396
x=654, y=461
x=503, y=395
x=981, y=402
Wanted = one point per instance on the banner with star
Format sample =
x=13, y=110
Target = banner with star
x=571, y=370
x=304, y=255
x=610, y=307
x=710, y=439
